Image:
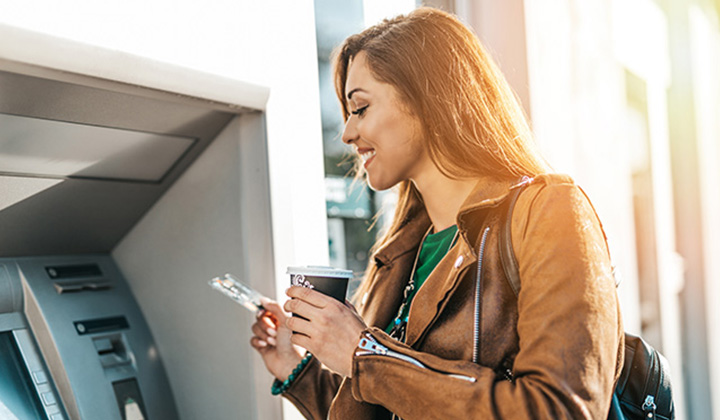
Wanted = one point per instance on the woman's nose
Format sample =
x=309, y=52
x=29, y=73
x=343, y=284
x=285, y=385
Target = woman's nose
x=349, y=132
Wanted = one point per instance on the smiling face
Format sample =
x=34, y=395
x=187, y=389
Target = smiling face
x=384, y=134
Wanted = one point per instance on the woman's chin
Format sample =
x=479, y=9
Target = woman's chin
x=378, y=185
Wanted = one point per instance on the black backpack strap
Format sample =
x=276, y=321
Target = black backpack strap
x=507, y=254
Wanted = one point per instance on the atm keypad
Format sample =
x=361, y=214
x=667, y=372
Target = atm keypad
x=48, y=398
x=39, y=377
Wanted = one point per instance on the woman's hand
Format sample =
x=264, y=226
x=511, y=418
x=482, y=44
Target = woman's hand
x=272, y=341
x=330, y=330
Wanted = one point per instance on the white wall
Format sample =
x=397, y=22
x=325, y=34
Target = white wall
x=645, y=52
x=705, y=44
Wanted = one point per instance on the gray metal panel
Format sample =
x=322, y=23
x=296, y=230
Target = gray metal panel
x=76, y=216
x=215, y=219
x=75, y=364
x=73, y=216
x=31, y=96
x=62, y=149
x=12, y=321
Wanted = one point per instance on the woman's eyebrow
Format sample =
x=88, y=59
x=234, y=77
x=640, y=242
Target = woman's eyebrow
x=350, y=94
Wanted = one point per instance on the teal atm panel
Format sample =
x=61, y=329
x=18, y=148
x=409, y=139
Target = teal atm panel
x=26, y=391
x=93, y=339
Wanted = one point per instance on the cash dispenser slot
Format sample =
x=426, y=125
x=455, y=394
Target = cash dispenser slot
x=112, y=351
x=79, y=286
x=92, y=326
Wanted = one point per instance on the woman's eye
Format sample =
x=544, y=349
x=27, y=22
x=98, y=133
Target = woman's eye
x=360, y=111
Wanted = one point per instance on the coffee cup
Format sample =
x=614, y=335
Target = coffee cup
x=327, y=280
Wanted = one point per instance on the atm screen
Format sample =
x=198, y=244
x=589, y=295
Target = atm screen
x=18, y=398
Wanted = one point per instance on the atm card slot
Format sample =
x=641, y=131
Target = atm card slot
x=79, y=286
x=73, y=271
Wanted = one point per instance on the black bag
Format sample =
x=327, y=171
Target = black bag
x=643, y=390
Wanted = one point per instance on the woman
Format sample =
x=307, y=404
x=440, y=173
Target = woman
x=427, y=111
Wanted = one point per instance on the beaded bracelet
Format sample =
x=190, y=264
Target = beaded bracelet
x=280, y=387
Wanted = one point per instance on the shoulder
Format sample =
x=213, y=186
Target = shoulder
x=551, y=180
x=557, y=189
x=553, y=203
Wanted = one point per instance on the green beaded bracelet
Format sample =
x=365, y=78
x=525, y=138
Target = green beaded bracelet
x=280, y=387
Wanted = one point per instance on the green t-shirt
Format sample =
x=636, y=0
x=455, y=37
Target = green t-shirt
x=434, y=248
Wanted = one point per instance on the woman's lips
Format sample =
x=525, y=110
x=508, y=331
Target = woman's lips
x=367, y=155
x=367, y=162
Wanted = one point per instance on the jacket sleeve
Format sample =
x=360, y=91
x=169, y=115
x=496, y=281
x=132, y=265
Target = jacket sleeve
x=569, y=330
x=313, y=390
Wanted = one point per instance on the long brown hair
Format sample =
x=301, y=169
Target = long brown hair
x=472, y=122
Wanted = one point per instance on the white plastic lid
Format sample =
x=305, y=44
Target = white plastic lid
x=320, y=271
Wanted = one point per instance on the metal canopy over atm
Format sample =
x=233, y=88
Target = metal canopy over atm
x=124, y=185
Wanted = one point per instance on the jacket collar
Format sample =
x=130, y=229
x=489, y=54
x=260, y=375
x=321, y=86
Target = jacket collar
x=488, y=192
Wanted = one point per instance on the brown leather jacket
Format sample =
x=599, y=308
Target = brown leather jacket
x=561, y=338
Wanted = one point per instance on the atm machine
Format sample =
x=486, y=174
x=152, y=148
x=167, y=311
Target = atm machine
x=125, y=185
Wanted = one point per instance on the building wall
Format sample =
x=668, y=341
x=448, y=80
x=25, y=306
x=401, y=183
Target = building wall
x=620, y=96
x=694, y=110
x=705, y=52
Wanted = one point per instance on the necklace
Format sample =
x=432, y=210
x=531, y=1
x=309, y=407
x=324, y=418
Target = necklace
x=400, y=324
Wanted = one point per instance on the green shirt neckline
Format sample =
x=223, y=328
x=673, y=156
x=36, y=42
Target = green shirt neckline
x=433, y=250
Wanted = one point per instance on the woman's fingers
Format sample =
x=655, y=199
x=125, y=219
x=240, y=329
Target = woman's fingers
x=259, y=330
x=258, y=344
x=269, y=321
x=301, y=308
x=299, y=325
x=265, y=333
x=309, y=295
x=270, y=307
x=308, y=303
x=301, y=340
x=271, y=326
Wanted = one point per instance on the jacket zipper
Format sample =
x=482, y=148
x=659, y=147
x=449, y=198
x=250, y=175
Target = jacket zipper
x=478, y=291
x=369, y=346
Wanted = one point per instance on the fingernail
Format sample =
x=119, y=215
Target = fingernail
x=271, y=341
x=272, y=332
x=261, y=343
